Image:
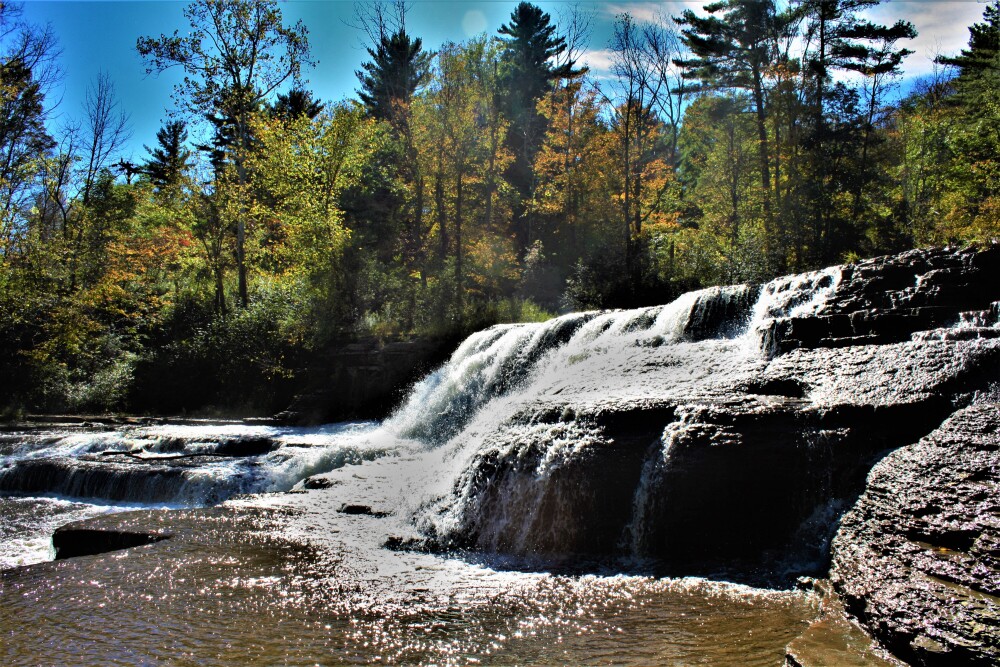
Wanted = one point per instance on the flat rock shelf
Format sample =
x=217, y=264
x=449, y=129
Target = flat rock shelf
x=805, y=471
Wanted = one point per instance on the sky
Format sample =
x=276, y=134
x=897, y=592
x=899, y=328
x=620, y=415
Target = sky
x=99, y=37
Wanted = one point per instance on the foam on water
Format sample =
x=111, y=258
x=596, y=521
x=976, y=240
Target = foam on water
x=446, y=422
x=182, y=465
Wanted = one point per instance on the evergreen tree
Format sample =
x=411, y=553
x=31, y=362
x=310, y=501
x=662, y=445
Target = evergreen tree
x=296, y=103
x=842, y=40
x=979, y=64
x=223, y=144
x=530, y=47
x=984, y=46
x=970, y=207
x=169, y=159
x=842, y=123
x=398, y=68
x=733, y=52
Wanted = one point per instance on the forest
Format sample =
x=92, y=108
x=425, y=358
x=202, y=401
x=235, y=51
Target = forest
x=492, y=180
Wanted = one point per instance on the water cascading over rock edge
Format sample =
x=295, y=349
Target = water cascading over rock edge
x=730, y=428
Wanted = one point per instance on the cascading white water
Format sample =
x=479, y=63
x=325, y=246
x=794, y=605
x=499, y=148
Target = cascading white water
x=790, y=296
x=179, y=465
x=795, y=296
x=643, y=511
x=524, y=357
x=445, y=424
x=605, y=355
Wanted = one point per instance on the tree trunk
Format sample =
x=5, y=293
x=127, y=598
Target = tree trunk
x=459, y=300
x=763, y=155
x=241, y=172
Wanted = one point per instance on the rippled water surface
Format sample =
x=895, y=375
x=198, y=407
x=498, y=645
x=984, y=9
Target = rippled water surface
x=288, y=578
x=227, y=590
x=306, y=578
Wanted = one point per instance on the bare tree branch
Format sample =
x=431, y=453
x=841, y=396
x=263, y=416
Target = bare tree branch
x=106, y=130
x=379, y=19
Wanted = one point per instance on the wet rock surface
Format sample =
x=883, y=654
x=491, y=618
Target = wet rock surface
x=744, y=471
x=662, y=436
x=834, y=639
x=918, y=558
x=887, y=299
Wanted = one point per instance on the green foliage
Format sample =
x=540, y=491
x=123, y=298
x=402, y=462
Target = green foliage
x=294, y=104
x=243, y=361
x=399, y=66
x=489, y=182
x=532, y=60
x=169, y=160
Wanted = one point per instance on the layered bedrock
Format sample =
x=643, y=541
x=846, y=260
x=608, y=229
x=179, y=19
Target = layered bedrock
x=737, y=444
x=917, y=560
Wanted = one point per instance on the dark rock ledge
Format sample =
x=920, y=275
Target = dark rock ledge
x=917, y=560
x=72, y=541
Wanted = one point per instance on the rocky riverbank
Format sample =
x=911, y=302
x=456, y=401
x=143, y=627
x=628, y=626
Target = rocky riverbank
x=917, y=559
x=850, y=429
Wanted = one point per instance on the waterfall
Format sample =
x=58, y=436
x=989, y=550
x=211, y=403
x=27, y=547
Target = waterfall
x=509, y=447
x=193, y=465
x=635, y=538
x=787, y=297
x=510, y=358
x=483, y=388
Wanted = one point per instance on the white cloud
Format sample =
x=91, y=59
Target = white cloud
x=942, y=27
x=650, y=12
x=473, y=23
x=599, y=60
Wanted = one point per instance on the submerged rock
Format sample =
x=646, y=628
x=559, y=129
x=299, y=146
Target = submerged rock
x=73, y=541
x=363, y=510
x=317, y=482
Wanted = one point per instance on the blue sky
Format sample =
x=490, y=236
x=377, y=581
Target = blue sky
x=100, y=37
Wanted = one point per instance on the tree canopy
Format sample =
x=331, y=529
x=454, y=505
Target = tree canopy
x=493, y=180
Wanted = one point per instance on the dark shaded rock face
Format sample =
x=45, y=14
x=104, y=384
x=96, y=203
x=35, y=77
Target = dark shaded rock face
x=363, y=380
x=74, y=541
x=741, y=456
x=887, y=299
x=917, y=560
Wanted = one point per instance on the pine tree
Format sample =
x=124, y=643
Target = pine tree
x=169, y=159
x=841, y=40
x=984, y=46
x=296, y=103
x=530, y=47
x=733, y=52
x=971, y=208
x=398, y=68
